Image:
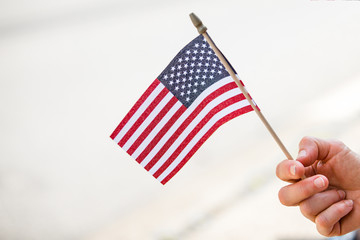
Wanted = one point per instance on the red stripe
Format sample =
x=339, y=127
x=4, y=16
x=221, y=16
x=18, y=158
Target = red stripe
x=143, y=116
x=204, y=138
x=135, y=108
x=196, y=130
x=160, y=134
x=152, y=125
x=188, y=120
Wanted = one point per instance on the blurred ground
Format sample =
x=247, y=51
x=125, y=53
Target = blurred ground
x=70, y=70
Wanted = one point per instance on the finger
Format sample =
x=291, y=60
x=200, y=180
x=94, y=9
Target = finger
x=309, y=149
x=327, y=222
x=312, y=149
x=289, y=170
x=314, y=205
x=295, y=193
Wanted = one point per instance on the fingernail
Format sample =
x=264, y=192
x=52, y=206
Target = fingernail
x=319, y=182
x=319, y=164
x=349, y=203
x=301, y=154
x=293, y=170
x=341, y=194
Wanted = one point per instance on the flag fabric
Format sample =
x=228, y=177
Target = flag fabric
x=179, y=111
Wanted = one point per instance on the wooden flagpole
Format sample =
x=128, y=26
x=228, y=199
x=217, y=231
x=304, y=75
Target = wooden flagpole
x=202, y=30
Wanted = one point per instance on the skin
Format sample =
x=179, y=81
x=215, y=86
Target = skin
x=325, y=184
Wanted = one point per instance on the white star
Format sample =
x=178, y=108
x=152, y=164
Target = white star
x=171, y=83
x=187, y=99
x=182, y=93
x=172, y=75
x=177, y=81
x=195, y=91
x=189, y=85
x=172, y=68
x=196, y=84
x=187, y=52
x=215, y=60
x=165, y=77
x=193, y=58
x=187, y=59
x=185, y=66
x=204, y=45
x=179, y=67
x=202, y=83
x=214, y=65
x=185, y=72
x=204, y=77
x=198, y=70
x=201, y=58
x=209, y=52
x=190, y=78
x=219, y=72
x=180, y=60
x=192, y=64
x=197, y=77
x=195, y=51
x=208, y=58
x=211, y=77
x=176, y=88
x=191, y=71
x=183, y=87
x=202, y=51
x=212, y=71
x=207, y=64
x=199, y=64
x=205, y=70
x=221, y=67
x=196, y=45
x=178, y=74
x=188, y=92
x=184, y=79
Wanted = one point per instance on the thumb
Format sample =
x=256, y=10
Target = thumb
x=312, y=149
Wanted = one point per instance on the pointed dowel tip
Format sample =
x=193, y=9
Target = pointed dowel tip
x=197, y=23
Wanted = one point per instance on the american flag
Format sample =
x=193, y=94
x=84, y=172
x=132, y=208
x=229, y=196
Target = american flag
x=180, y=110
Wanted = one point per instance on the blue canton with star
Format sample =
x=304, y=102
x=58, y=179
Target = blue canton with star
x=195, y=68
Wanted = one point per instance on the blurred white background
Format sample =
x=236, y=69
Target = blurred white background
x=71, y=70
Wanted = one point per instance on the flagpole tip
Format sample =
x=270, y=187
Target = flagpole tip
x=198, y=23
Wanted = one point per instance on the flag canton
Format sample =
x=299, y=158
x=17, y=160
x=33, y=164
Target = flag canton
x=195, y=68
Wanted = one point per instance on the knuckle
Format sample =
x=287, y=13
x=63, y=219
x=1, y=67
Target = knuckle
x=323, y=226
x=307, y=210
x=339, y=209
x=305, y=139
x=321, y=221
x=337, y=142
x=283, y=197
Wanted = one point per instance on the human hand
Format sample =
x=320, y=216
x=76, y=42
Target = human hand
x=329, y=195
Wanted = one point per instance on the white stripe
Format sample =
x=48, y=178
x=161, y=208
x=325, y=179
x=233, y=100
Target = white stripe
x=138, y=113
x=147, y=121
x=192, y=125
x=201, y=133
x=182, y=118
x=156, y=130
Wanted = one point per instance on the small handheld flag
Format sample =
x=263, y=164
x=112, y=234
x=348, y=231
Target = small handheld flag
x=188, y=101
x=183, y=106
